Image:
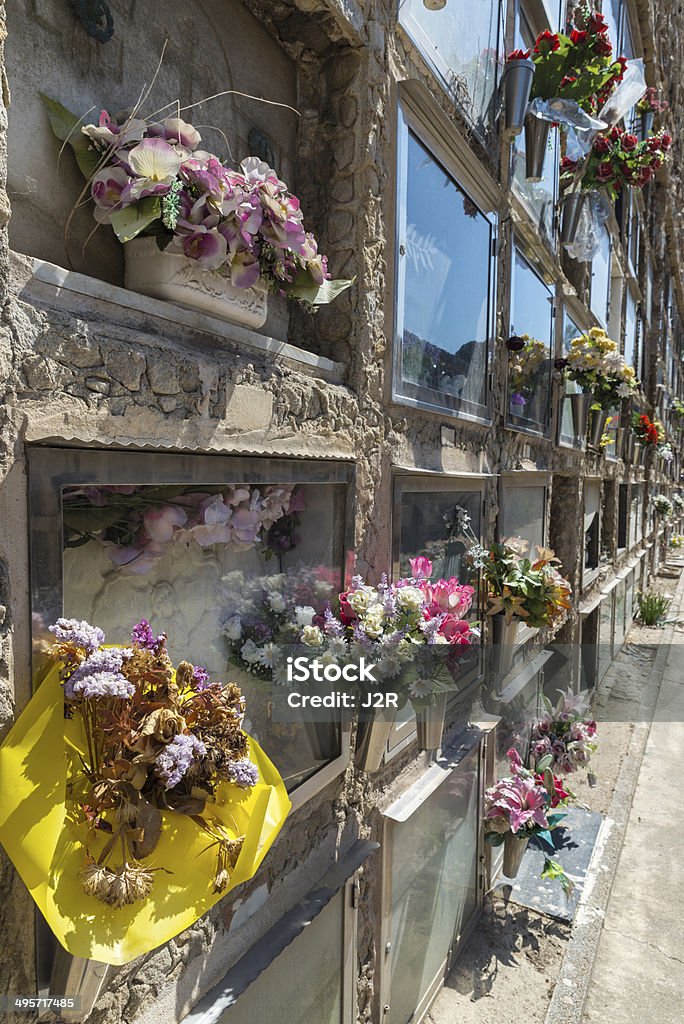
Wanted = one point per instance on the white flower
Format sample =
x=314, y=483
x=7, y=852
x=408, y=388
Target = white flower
x=267, y=655
x=361, y=599
x=250, y=653
x=304, y=614
x=374, y=621
x=420, y=687
x=276, y=601
x=233, y=628
x=312, y=636
x=411, y=599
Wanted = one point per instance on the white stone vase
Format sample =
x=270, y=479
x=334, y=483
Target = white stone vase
x=165, y=275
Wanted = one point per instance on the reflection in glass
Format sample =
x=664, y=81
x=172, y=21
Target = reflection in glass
x=461, y=42
x=434, y=885
x=529, y=371
x=570, y=331
x=523, y=513
x=280, y=995
x=600, y=277
x=191, y=560
x=427, y=519
x=446, y=296
x=630, y=330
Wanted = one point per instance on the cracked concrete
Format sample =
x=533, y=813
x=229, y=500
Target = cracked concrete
x=637, y=972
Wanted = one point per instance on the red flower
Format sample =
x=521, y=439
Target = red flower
x=547, y=42
x=665, y=141
x=568, y=80
x=622, y=62
x=597, y=23
x=578, y=37
x=559, y=794
x=616, y=133
x=603, y=46
x=604, y=171
x=656, y=161
x=654, y=144
x=347, y=614
x=568, y=166
x=518, y=55
x=602, y=145
x=629, y=142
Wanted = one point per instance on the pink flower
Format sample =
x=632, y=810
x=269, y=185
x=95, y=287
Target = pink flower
x=421, y=568
x=448, y=596
x=456, y=631
x=161, y=522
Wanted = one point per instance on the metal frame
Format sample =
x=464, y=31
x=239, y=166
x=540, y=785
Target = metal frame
x=400, y=810
x=588, y=575
x=535, y=265
x=570, y=307
x=446, y=153
x=441, y=72
x=51, y=468
x=405, y=481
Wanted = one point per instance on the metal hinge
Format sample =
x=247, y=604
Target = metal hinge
x=355, y=895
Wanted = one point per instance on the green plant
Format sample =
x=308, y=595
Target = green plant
x=652, y=608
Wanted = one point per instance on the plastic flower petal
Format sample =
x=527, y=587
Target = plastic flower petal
x=154, y=160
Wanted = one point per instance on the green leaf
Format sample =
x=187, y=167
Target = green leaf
x=304, y=287
x=544, y=762
x=67, y=128
x=129, y=222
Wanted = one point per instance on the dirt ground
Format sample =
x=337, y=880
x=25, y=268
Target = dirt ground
x=508, y=970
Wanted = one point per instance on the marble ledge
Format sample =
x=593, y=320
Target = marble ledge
x=81, y=294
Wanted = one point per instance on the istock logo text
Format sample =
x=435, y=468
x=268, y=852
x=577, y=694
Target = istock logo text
x=303, y=670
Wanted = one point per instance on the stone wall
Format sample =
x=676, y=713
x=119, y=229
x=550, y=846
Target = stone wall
x=80, y=368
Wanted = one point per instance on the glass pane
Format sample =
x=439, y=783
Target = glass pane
x=278, y=996
x=434, y=885
x=427, y=519
x=612, y=11
x=619, y=613
x=203, y=564
x=461, y=43
x=523, y=513
x=529, y=371
x=630, y=329
x=515, y=727
x=538, y=196
x=570, y=331
x=605, y=635
x=600, y=278
x=446, y=288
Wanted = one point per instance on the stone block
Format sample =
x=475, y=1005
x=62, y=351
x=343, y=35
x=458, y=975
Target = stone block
x=249, y=408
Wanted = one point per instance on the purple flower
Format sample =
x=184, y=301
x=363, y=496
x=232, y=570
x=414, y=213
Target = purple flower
x=333, y=626
x=243, y=772
x=103, y=684
x=518, y=399
x=108, y=660
x=245, y=270
x=78, y=632
x=206, y=246
x=142, y=636
x=173, y=762
x=201, y=677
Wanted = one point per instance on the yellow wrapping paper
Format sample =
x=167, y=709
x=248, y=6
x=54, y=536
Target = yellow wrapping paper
x=47, y=845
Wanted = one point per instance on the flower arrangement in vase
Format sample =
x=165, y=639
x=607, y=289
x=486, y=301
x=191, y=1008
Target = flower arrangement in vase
x=564, y=733
x=148, y=770
x=617, y=158
x=594, y=362
x=662, y=506
x=239, y=227
x=523, y=370
x=644, y=429
x=403, y=627
x=522, y=806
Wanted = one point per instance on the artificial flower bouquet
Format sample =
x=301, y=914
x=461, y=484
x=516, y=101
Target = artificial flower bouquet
x=524, y=365
x=677, y=408
x=414, y=631
x=665, y=451
x=516, y=586
x=121, y=775
x=526, y=805
x=645, y=431
x=267, y=613
x=563, y=739
x=137, y=525
x=678, y=502
x=579, y=66
x=650, y=102
x=618, y=158
x=662, y=506
x=594, y=362
x=148, y=176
